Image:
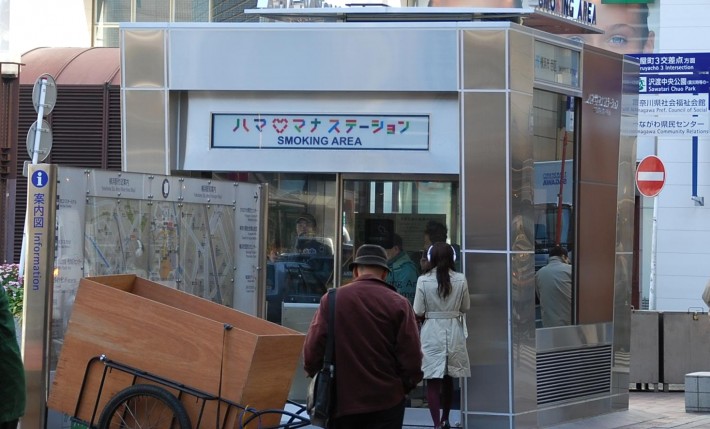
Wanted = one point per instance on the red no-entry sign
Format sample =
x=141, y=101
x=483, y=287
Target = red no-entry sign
x=650, y=176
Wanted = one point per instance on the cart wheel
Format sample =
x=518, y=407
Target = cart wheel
x=144, y=406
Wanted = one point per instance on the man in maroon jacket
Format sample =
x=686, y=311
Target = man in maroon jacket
x=378, y=356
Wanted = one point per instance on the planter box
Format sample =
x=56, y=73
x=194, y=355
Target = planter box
x=176, y=336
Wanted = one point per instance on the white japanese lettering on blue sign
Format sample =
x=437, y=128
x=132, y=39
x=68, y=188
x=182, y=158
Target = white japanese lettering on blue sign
x=673, y=63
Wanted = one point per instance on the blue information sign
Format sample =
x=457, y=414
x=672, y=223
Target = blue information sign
x=674, y=84
x=687, y=62
x=39, y=178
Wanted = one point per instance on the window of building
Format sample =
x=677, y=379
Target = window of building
x=554, y=161
x=110, y=13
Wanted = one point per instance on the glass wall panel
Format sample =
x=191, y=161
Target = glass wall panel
x=192, y=11
x=106, y=36
x=113, y=10
x=109, y=13
x=404, y=217
x=554, y=201
x=301, y=241
x=152, y=11
x=397, y=215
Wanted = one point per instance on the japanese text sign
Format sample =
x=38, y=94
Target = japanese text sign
x=328, y=131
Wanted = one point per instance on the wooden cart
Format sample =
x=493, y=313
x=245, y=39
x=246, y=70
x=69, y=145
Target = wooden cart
x=132, y=341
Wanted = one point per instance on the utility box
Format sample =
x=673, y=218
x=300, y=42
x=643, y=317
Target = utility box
x=645, y=343
x=175, y=336
x=685, y=346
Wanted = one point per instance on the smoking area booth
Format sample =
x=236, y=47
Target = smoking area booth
x=370, y=124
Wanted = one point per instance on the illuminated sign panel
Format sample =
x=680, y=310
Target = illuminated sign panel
x=330, y=131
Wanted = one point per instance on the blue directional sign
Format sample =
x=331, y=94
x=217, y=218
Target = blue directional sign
x=689, y=62
x=674, y=84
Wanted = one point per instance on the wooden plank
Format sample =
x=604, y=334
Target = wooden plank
x=205, y=308
x=122, y=282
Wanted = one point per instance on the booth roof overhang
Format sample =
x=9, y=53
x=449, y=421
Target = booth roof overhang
x=536, y=18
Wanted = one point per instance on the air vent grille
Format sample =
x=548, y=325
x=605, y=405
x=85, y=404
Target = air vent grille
x=571, y=374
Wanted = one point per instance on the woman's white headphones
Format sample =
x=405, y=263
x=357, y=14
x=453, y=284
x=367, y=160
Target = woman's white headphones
x=428, y=253
x=139, y=248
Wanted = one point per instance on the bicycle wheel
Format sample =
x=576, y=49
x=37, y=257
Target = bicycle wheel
x=144, y=406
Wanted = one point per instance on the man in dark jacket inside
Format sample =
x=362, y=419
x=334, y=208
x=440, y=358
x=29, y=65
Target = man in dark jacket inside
x=403, y=272
x=378, y=355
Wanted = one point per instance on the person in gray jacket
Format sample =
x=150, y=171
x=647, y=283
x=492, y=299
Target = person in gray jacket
x=553, y=284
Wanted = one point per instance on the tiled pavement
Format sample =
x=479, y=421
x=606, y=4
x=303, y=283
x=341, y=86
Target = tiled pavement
x=647, y=410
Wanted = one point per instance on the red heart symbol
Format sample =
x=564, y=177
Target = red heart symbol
x=280, y=125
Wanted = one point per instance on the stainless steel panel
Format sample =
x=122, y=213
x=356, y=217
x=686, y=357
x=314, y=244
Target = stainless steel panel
x=525, y=420
x=441, y=158
x=627, y=170
x=484, y=64
x=522, y=61
x=575, y=336
x=522, y=181
x=686, y=347
x=622, y=322
x=566, y=412
x=601, y=117
x=623, y=279
x=475, y=421
x=488, y=388
x=144, y=142
x=522, y=277
x=486, y=170
x=523, y=354
x=173, y=143
x=143, y=64
x=298, y=317
x=595, y=260
x=625, y=197
x=304, y=57
x=620, y=395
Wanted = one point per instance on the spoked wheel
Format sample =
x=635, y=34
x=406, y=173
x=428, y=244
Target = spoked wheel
x=144, y=406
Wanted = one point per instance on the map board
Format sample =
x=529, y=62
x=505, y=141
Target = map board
x=184, y=233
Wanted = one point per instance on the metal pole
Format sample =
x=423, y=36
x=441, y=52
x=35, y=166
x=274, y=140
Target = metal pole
x=699, y=201
x=558, y=226
x=40, y=119
x=39, y=285
x=652, y=276
x=35, y=159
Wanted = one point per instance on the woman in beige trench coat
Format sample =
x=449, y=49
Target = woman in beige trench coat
x=441, y=299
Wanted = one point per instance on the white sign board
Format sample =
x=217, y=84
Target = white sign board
x=322, y=131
